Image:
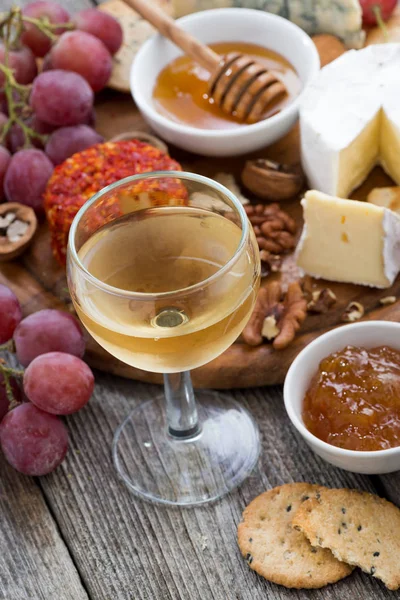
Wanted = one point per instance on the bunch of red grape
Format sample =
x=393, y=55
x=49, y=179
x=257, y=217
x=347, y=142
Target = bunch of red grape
x=56, y=381
x=47, y=117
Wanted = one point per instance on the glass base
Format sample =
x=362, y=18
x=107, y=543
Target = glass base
x=187, y=471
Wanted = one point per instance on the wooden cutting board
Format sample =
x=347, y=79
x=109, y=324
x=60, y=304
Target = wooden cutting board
x=40, y=282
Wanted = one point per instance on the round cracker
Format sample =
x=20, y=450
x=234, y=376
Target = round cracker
x=278, y=552
x=358, y=527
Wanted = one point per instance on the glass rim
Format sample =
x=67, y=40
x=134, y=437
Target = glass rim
x=148, y=175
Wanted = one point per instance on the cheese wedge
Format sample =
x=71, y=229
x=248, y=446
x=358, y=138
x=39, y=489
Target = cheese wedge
x=389, y=197
x=350, y=120
x=349, y=241
x=341, y=18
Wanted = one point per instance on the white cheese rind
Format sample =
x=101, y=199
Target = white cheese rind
x=391, y=244
x=348, y=241
x=342, y=18
x=338, y=107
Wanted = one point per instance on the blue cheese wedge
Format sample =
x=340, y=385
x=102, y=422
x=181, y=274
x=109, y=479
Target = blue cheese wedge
x=341, y=18
x=349, y=241
x=350, y=120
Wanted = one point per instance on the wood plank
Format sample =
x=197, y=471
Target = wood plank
x=125, y=548
x=34, y=560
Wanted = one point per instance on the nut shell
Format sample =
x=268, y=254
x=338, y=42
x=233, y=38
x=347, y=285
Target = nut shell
x=12, y=249
x=270, y=180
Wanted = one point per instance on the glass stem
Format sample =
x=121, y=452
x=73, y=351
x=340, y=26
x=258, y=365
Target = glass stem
x=182, y=417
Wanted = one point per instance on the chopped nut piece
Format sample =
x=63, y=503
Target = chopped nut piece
x=285, y=311
x=7, y=219
x=270, y=180
x=270, y=263
x=353, y=312
x=387, y=300
x=322, y=301
x=16, y=230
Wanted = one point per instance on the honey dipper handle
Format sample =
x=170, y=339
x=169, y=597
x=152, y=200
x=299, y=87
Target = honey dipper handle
x=202, y=54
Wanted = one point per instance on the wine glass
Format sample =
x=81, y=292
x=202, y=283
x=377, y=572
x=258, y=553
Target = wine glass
x=163, y=270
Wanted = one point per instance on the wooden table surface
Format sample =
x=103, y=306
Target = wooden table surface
x=79, y=533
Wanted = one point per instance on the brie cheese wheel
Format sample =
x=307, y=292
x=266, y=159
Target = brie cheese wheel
x=349, y=241
x=350, y=120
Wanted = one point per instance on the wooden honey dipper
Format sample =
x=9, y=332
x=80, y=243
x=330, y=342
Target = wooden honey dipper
x=238, y=85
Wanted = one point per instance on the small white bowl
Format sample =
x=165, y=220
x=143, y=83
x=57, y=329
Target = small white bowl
x=368, y=334
x=224, y=25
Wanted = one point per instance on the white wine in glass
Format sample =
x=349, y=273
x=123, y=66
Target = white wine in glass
x=166, y=282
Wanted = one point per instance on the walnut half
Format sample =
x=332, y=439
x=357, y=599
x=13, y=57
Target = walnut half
x=276, y=316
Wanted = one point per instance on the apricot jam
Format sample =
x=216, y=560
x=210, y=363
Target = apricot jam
x=180, y=91
x=353, y=400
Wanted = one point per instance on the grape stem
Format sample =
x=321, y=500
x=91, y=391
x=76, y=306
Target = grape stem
x=47, y=27
x=17, y=95
x=376, y=9
x=8, y=346
x=7, y=373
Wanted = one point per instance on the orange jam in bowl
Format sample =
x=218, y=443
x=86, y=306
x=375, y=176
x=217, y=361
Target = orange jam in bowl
x=353, y=400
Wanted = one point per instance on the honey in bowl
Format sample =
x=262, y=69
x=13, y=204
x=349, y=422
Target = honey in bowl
x=353, y=400
x=180, y=91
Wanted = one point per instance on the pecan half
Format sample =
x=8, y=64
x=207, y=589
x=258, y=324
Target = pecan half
x=275, y=230
x=276, y=316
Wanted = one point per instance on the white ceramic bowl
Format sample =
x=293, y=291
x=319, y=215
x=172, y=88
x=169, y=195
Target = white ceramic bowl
x=368, y=334
x=224, y=25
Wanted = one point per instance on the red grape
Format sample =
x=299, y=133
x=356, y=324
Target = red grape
x=3, y=120
x=61, y=97
x=47, y=64
x=37, y=41
x=58, y=383
x=91, y=119
x=3, y=103
x=101, y=25
x=45, y=331
x=22, y=61
x=15, y=138
x=370, y=8
x=27, y=176
x=10, y=313
x=85, y=54
x=4, y=401
x=5, y=158
x=41, y=127
x=64, y=142
x=33, y=442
